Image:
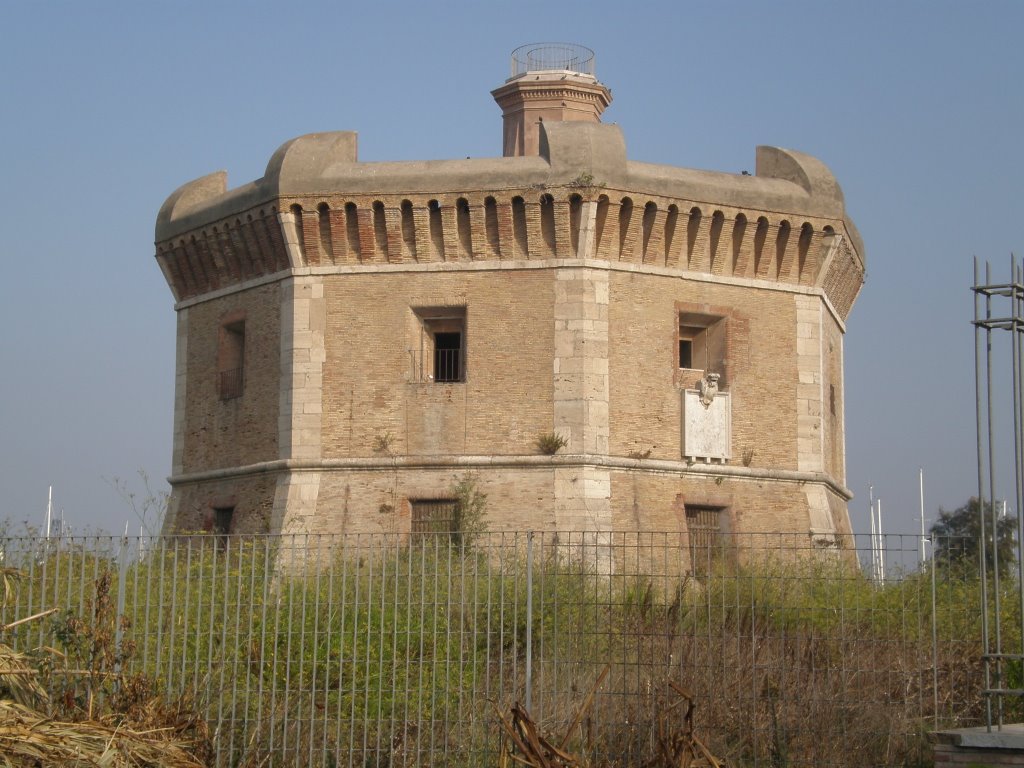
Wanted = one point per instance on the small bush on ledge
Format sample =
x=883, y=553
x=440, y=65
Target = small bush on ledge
x=550, y=443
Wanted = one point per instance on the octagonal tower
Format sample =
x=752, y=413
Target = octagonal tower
x=355, y=337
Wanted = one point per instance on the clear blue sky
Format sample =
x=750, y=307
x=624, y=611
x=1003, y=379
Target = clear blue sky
x=105, y=108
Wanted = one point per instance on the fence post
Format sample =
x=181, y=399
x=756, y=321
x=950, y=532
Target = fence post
x=122, y=577
x=529, y=620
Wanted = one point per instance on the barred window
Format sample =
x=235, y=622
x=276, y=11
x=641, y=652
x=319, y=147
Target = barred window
x=705, y=530
x=441, y=344
x=433, y=515
x=231, y=360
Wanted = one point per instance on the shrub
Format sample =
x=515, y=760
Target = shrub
x=550, y=443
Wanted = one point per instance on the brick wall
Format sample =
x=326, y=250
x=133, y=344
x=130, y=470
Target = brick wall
x=372, y=385
x=242, y=430
x=251, y=496
x=645, y=402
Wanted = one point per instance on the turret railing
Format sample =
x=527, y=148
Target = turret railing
x=541, y=57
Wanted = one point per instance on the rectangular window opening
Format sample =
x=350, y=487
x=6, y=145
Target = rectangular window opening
x=706, y=532
x=222, y=517
x=702, y=343
x=231, y=360
x=441, y=346
x=685, y=353
x=448, y=356
x=433, y=516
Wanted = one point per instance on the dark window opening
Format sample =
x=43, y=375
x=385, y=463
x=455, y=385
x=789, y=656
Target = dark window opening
x=231, y=360
x=222, y=524
x=702, y=343
x=705, y=531
x=448, y=356
x=832, y=399
x=439, y=352
x=685, y=353
x=433, y=516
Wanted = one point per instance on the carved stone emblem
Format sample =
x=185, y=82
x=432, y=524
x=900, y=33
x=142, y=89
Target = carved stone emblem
x=708, y=388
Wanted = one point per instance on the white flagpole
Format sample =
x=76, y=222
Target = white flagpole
x=920, y=477
x=49, y=511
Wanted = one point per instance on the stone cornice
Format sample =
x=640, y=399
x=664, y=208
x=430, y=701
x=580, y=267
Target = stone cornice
x=618, y=463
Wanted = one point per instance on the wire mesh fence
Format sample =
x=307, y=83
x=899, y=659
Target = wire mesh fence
x=389, y=650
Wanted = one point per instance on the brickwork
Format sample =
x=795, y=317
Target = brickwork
x=683, y=240
x=220, y=432
x=353, y=337
x=810, y=435
x=372, y=382
x=252, y=497
x=378, y=501
x=646, y=383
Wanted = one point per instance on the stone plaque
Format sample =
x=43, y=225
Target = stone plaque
x=707, y=429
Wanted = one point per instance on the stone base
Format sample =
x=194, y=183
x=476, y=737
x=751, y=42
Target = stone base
x=979, y=747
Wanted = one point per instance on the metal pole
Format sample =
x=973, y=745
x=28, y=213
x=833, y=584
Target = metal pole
x=981, y=496
x=935, y=644
x=874, y=535
x=920, y=479
x=997, y=608
x=529, y=621
x=881, y=544
x=1016, y=339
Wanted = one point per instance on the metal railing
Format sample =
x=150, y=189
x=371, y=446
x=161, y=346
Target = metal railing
x=388, y=650
x=540, y=57
x=999, y=306
x=230, y=383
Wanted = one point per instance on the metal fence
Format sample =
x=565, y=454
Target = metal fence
x=390, y=650
x=999, y=306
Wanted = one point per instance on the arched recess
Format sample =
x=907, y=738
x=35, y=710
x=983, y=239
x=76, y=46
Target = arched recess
x=803, y=249
x=625, y=216
x=692, y=229
x=380, y=230
x=761, y=259
x=781, y=243
x=297, y=235
x=575, y=219
x=252, y=243
x=463, y=227
x=491, y=225
x=739, y=229
x=323, y=213
x=599, y=221
x=714, y=238
x=547, y=222
x=408, y=230
x=519, y=227
x=671, y=220
x=436, y=229
x=352, y=231
x=647, y=226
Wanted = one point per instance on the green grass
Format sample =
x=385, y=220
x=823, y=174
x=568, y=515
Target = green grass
x=393, y=651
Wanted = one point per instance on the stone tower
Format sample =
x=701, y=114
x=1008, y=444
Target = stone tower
x=354, y=338
x=548, y=82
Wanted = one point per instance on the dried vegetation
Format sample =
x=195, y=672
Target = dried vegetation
x=96, y=717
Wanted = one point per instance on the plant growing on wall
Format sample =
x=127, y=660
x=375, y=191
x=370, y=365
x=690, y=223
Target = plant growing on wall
x=470, y=510
x=550, y=443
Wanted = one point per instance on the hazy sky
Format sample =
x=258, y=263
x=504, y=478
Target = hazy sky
x=106, y=108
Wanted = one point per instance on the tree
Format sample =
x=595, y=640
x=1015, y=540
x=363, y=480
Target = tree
x=956, y=537
x=470, y=511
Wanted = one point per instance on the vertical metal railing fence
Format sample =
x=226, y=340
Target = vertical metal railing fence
x=999, y=306
x=391, y=650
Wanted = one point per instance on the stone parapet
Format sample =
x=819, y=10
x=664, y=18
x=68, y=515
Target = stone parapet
x=786, y=225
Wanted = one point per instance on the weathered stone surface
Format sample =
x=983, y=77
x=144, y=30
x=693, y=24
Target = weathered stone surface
x=568, y=273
